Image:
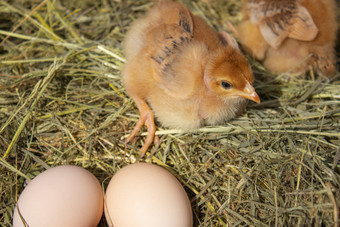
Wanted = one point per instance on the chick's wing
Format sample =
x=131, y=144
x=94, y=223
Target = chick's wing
x=281, y=19
x=166, y=42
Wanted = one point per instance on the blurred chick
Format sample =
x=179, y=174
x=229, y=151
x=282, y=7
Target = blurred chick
x=186, y=72
x=290, y=34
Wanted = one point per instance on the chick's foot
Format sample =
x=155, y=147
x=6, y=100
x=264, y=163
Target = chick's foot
x=146, y=118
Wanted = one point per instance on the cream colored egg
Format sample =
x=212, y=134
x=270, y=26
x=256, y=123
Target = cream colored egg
x=146, y=195
x=63, y=196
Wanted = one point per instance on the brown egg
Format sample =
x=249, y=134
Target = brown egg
x=64, y=196
x=146, y=195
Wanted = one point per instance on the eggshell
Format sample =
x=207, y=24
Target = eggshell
x=63, y=196
x=146, y=195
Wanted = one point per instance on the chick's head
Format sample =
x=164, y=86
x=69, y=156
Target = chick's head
x=228, y=75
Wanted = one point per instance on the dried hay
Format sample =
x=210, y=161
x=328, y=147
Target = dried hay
x=62, y=102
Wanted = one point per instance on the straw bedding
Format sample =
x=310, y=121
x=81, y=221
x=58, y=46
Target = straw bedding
x=62, y=102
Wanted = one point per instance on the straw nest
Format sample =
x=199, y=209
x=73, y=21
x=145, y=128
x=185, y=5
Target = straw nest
x=62, y=102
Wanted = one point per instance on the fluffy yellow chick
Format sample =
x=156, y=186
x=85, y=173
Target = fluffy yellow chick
x=186, y=72
x=290, y=35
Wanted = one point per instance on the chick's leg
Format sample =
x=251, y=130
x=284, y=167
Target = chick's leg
x=146, y=118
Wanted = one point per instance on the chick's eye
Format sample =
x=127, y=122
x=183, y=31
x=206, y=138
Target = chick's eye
x=226, y=85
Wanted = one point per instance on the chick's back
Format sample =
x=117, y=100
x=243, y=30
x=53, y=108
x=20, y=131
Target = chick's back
x=136, y=37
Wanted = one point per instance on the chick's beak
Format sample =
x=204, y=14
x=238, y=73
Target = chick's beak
x=249, y=93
